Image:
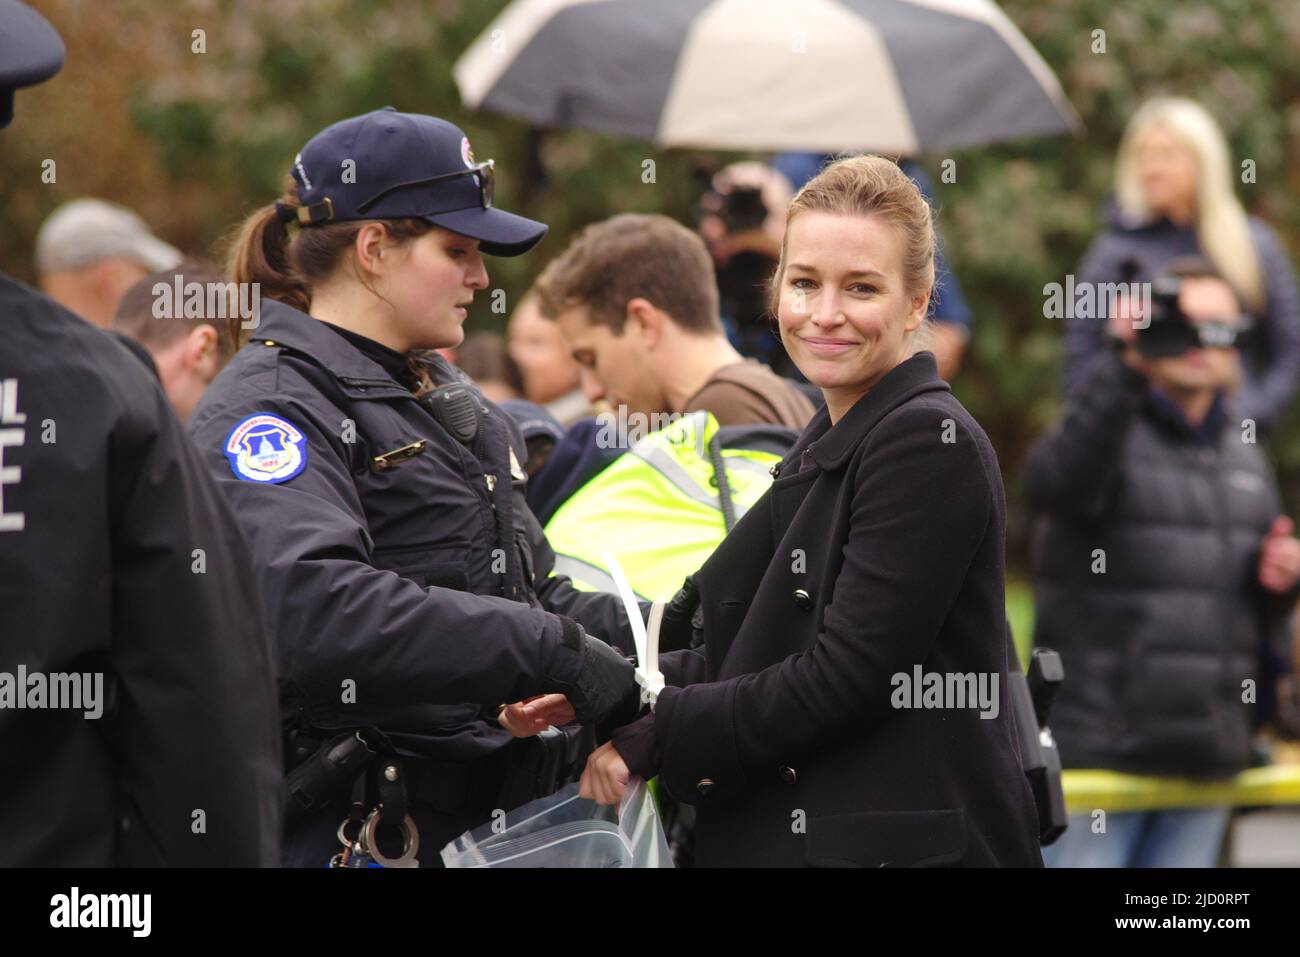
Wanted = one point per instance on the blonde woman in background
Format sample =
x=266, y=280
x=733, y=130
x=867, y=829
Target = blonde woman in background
x=1174, y=197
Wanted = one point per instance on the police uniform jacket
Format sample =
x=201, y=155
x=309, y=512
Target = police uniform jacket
x=119, y=556
x=407, y=584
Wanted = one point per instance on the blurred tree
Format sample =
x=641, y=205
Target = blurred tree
x=195, y=140
x=1020, y=215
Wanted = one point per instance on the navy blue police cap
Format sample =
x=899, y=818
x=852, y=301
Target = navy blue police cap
x=30, y=52
x=391, y=165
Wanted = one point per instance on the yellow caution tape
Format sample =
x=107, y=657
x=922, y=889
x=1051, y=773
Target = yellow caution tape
x=1087, y=790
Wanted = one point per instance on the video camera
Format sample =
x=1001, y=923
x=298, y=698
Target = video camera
x=1169, y=332
x=741, y=208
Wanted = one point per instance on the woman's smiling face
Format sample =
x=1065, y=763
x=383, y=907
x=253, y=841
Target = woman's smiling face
x=845, y=314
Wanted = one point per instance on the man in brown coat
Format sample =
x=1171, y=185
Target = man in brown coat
x=637, y=299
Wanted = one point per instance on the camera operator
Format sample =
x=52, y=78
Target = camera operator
x=1166, y=570
x=1175, y=196
x=741, y=217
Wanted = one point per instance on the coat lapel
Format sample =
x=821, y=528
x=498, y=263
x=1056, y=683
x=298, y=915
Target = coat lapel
x=909, y=378
x=831, y=447
x=729, y=580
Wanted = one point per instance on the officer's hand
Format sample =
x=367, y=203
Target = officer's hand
x=606, y=684
x=605, y=778
x=515, y=719
x=549, y=709
x=526, y=718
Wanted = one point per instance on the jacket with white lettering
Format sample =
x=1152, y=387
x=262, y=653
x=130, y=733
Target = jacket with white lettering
x=119, y=557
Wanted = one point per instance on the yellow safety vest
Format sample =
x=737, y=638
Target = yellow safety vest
x=656, y=509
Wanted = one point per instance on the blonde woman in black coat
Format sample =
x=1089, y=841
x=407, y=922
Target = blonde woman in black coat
x=848, y=704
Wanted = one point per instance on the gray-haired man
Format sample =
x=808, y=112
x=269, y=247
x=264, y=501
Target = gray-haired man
x=90, y=252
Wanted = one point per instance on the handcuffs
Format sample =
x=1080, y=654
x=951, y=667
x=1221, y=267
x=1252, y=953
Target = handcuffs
x=363, y=851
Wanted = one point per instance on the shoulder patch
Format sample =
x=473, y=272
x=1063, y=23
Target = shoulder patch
x=266, y=448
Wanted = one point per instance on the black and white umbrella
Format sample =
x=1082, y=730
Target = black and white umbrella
x=893, y=76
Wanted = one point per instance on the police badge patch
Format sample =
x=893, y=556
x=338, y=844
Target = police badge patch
x=266, y=448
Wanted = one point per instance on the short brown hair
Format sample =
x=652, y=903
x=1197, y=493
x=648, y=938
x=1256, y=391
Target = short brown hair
x=634, y=255
x=137, y=317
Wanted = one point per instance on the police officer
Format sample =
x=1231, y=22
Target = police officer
x=137, y=708
x=408, y=585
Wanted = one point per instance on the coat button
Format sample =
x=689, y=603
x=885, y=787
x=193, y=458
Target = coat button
x=704, y=786
x=802, y=598
x=788, y=774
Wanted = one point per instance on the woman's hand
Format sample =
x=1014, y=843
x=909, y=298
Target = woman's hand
x=605, y=778
x=526, y=718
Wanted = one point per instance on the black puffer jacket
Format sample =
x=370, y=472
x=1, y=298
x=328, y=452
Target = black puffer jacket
x=1157, y=645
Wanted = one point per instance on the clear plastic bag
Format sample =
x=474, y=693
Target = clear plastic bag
x=564, y=830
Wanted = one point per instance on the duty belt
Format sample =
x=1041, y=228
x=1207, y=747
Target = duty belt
x=514, y=774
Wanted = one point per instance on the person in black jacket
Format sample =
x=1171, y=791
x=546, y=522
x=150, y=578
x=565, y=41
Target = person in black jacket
x=137, y=697
x=847, y=704
x=408, y=586
x=1164, y=569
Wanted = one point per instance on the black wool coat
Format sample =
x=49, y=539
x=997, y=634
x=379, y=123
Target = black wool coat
x=884, y=555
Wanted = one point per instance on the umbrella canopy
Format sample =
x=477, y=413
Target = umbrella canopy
x=893, y=76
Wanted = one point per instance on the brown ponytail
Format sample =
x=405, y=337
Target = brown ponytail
x=287, y=267
x=259, y=253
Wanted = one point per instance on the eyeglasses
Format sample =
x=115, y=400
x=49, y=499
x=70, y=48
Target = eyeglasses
x=484, y=173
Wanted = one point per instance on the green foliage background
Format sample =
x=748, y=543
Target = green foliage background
x=193, y=141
